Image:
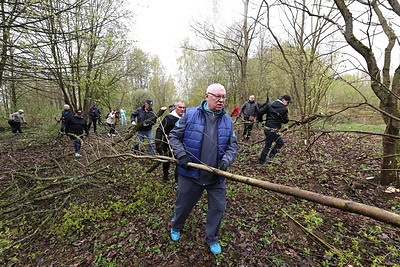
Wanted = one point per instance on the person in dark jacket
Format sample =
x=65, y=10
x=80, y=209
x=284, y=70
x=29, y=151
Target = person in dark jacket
x=94, y=117
x=203, y=135
x=141, y=114
x=277, y=114
x=74, y=128
x=65, y=114
x=249, y=111
x=163, y=130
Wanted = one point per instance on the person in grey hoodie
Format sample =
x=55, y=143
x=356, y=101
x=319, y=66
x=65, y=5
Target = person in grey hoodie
x=203, y=135
x=277, y=114
x=249, y=111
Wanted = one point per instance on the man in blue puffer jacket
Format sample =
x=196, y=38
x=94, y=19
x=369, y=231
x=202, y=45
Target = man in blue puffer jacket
x=203, y=135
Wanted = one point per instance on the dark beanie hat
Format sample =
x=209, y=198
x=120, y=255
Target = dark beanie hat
x=287, y=98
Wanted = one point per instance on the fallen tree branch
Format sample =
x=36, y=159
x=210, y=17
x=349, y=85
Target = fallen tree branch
x=342, y=204
x=345, y=205
x=325, y=244
x=65, y=191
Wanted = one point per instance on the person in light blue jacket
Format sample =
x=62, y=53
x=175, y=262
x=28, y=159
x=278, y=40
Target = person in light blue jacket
x=122, y=113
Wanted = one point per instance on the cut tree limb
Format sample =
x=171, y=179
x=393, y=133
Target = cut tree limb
x=345, y=205
x=342, y=204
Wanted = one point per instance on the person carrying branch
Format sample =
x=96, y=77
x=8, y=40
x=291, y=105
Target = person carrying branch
x=162, y=132
x=277, y=114
x=15, y=120
x=203, y=135
x=249, y=111
x=74, y=128
x=141, y=114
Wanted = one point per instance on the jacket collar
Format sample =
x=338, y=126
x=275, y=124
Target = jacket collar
x=203, y=106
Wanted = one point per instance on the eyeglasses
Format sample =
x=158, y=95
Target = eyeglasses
x=217, y=96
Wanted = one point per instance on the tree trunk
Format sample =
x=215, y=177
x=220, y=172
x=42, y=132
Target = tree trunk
x=379, y=84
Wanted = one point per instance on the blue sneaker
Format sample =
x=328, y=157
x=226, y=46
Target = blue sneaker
x=175, y=235
x=216, y=248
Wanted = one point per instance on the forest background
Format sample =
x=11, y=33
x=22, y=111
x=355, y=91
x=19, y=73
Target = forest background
x=337, y=60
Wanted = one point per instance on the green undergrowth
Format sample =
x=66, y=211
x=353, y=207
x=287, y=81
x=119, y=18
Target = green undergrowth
x=120, y=216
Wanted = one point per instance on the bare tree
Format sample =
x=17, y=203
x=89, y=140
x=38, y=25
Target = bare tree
x=82, y=54
x=308, y=57
x=236, y=41
x=18, y=24
x=361, y=31
x=385, y=87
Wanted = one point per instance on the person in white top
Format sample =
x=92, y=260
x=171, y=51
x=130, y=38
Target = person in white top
x=111, y=117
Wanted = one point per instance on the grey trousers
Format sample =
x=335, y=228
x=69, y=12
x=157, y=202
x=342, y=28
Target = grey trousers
x=188, y=194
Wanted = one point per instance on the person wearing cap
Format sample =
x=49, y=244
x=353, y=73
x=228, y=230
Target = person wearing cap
x=65, y=114
x=171, y=108
x=204, y=135
x=277, y=114
x=94, y=116
x=74, y=128
x=140, y=115
x=15, y=120
x=249, y=111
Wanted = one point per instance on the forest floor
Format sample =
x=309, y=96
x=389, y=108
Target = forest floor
x=104, y=209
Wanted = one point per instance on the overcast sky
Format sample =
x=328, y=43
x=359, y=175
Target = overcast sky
x=161, y=25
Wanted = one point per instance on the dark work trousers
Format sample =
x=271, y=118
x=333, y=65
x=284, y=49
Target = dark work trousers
x=77, y=143
x=166, y=166
x=15, y=126
x=94, y=121
x=248, y=126
x=188, y=194
x=63, y=125
x=112, y=128
x=271, y=136
x=164, y=150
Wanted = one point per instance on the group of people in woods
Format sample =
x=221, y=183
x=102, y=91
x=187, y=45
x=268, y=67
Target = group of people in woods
x=202, y=134
x=276, y=114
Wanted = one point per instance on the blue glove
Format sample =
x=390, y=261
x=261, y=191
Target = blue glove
x=223, y=165
x=183, y=161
